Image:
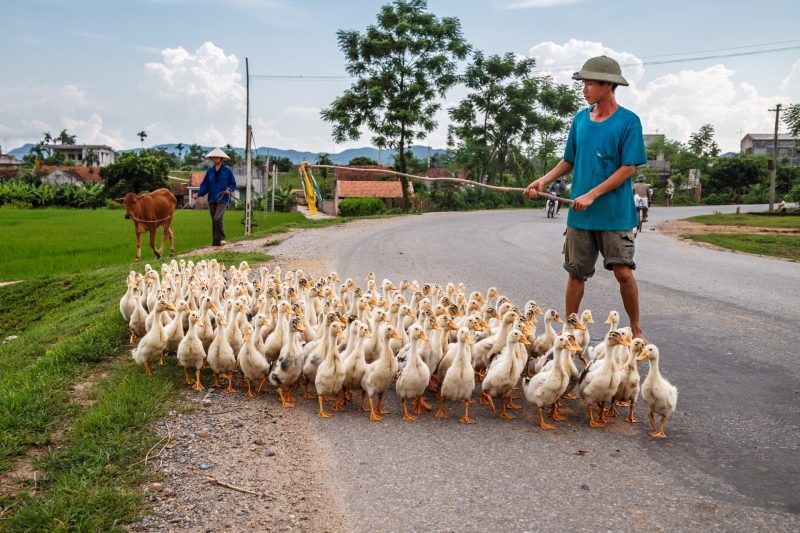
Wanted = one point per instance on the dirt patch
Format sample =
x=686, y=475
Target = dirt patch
x=258, y=245
x=250, y=443
x=676, y=228
x=21, y=472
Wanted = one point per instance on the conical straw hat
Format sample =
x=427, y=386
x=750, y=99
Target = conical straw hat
x=216, y=152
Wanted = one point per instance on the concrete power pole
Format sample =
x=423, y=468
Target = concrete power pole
x=774, y=159
x=248, y=205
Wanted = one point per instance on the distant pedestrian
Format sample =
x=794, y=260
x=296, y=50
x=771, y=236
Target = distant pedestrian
x=782, y=206
x=218, y=184
x=604, y=146
x=670, y=194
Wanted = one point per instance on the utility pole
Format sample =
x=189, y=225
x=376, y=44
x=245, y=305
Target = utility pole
x=248, y=205
x=777, y=111
x=265, y=187
x=429, y=156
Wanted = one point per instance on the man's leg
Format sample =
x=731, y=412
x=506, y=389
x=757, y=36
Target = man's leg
x=629, y=291
x=575, y=288
x=580, y=256
x=644, y=214
x=212, y=208
x=218, y=220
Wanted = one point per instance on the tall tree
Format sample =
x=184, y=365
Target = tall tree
x=90, y=159
x=142, y=135
x=179, y=148
x=194, y=155
x=133, y=172
x=702, y=143
x=47, y=139
x=66, y=138
x=506, y=105
x=402, y=65
x=235, y=156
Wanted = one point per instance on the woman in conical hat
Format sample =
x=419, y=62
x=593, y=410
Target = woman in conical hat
x=218, y=184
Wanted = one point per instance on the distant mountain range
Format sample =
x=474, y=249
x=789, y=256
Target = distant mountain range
x=297, y=157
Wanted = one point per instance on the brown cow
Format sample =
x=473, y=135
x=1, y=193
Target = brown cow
x=148, y=212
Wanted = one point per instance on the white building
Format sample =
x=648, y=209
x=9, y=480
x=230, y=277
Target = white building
x=77, y=152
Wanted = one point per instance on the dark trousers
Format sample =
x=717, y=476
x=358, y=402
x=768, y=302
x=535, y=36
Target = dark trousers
x=217, y=228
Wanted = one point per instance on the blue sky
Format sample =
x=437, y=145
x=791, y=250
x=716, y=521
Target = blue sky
x=106, y=70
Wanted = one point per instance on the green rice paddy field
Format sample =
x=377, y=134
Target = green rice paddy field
x=55, y=241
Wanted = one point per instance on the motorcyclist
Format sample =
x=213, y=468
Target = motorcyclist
x=557, y=188
x=643, y=190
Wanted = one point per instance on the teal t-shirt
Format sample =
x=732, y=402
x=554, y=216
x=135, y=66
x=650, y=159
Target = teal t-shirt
x=597, y=150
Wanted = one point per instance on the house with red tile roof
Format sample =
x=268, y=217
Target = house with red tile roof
x=69, y=175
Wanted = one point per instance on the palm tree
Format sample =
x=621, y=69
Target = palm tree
x=90, y=159
x=179, y=148
x=61, y=137
x=142, y=135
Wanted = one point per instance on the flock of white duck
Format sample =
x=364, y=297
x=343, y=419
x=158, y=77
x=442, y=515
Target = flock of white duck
x=292, y=330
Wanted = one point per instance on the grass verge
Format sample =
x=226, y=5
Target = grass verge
x=783, y=246
x=55, y=241
x=66, y=326
x=744, y=219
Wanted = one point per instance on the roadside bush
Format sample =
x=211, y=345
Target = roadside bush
x=21, y=194
x=361, y=207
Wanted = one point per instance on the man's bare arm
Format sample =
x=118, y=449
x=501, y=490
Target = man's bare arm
x=561, y=169
x=615, y=180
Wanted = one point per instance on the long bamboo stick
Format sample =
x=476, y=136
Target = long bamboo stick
x=451, y=180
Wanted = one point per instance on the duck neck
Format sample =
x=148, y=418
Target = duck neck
x=654, y=371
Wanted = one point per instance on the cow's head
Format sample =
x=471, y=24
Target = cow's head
x=129, y=201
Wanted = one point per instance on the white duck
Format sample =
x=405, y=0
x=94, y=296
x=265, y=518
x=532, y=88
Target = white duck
x=138, y=317
x=221, y=357
x=354, y=364
x=190, y=351
x=600, y=380
x=504, y=372
x=126, y=303
x=598, y=352
x=628, y=389
x=416, y=375
x=280, y=335
x=459, y=380
x=545, y=388
x=252, y=362
x=330, y=373
x=659, y=394
x=545, y=341
x=174, y=329
x=378, y=375
x=287, y=369
x=151, y=346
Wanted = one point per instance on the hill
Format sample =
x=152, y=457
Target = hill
x=297, y=156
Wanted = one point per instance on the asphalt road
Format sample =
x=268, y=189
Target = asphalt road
x=727, y=328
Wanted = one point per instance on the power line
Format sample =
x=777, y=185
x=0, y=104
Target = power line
x=571, y=66
x=685, y=60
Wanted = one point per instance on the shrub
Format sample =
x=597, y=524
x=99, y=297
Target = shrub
x=361, y=207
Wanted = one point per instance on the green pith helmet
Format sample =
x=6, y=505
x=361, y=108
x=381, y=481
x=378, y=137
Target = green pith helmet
x=601, y=68
x=640, y=177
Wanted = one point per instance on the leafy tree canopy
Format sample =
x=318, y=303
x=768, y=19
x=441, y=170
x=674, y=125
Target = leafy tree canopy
x=235, y=157
x=702, y=142
x=135, y=173
x=402, y=64
x=361, y=161
x=791, y=117
x=194, y=156
x=507, y=105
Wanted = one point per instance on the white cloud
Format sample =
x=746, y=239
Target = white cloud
x=208, y=77
x=561, y=61
x=541, y=3
x=677, y=104
x=90, y=131
x=790, y=88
